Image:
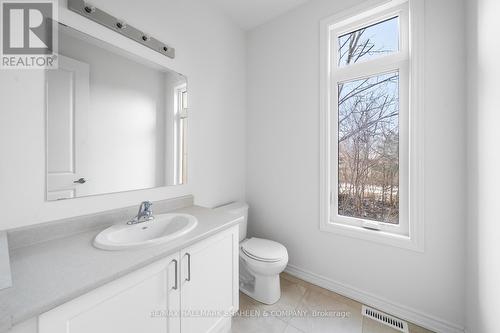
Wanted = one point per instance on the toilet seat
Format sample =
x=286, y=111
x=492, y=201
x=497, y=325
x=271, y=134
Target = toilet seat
x=263, y=250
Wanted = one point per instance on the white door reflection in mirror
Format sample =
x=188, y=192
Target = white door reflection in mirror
x=67, y=112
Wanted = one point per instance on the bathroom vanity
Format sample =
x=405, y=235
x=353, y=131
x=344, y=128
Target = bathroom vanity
x=166, y=296
x=189, y=284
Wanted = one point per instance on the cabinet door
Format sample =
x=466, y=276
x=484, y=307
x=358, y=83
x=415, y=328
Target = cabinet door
x=138, y=302
x=209, y=292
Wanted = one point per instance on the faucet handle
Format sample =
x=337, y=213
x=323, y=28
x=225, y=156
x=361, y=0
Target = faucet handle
x=147, y=206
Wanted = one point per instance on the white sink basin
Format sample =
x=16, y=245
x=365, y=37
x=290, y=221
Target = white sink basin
x=162, y=229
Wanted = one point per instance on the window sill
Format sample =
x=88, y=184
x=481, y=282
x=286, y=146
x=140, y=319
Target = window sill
x=376, y=236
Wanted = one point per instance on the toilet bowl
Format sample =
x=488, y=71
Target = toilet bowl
x=261, y=261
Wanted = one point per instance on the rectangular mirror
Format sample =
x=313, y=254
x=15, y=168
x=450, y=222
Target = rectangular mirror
x=115, y=122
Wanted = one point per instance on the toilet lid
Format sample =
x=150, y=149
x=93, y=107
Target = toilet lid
x=264, y=250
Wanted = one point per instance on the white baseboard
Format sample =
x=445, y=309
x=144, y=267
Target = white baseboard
x=421, y=319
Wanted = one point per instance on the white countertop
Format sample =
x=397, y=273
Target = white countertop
x=48, y=274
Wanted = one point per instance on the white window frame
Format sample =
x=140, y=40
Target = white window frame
x=409, y=63
x=180, y=113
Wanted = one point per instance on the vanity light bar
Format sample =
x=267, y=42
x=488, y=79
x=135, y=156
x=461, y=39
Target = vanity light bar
x=111, y=22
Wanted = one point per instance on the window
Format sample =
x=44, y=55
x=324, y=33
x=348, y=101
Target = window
x=369, y=42
x=368, y=148
x=180, y=138
x=369, y=151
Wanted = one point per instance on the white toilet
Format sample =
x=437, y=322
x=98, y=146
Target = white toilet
x=261, y=261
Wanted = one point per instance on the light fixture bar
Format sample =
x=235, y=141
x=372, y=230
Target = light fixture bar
x=111, y=22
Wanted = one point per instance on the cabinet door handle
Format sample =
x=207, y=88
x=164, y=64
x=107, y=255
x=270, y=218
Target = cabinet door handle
x=175, y=286
x=189, y=267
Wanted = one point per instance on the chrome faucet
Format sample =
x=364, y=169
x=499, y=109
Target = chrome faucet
x=145, y=213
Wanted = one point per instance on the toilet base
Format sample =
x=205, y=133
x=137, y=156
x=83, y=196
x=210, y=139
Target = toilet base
x=265, y=289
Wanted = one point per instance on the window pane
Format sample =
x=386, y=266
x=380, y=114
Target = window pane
x=368, y=145
x=369, y=42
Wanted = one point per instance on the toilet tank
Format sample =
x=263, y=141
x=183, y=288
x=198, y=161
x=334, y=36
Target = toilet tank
x=237, y=209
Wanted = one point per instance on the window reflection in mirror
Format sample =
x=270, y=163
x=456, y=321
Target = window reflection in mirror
x=115, y=122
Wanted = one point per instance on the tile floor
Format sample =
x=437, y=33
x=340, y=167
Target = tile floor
x=292, y=313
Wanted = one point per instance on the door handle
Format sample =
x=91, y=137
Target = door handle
x=188, y=278
x=175, y=287
x=80, y=181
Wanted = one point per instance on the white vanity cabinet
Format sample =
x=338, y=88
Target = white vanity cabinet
x=192, y=291
x=209, y=291
x=124, y=305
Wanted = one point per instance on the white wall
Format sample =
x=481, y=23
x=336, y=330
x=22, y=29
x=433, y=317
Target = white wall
x=483, y=228
x=283, y=164
x=210, y=52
